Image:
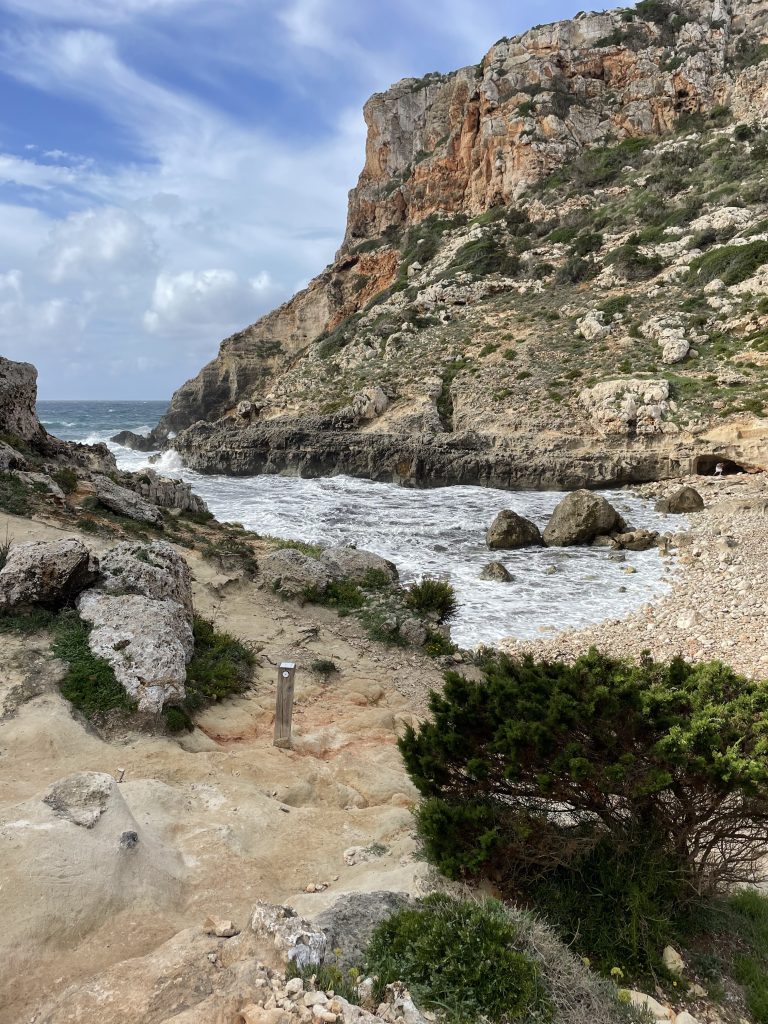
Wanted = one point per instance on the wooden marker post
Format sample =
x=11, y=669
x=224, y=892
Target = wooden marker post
x=286, y=675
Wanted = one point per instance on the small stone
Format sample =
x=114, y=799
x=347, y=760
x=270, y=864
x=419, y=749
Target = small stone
x=672, y=961
x=128, y=840
x=219, y=927
x=294, y=987
x=697, y=991
x=496, y=572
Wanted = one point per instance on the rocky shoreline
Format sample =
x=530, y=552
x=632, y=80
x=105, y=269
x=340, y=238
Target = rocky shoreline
x=717, y=608
x=321, y=446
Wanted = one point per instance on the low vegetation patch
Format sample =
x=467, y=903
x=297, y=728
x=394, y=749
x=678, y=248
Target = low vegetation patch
x=90, y=684
x=443, y=949
x=14, y=495
x=220, y=667
x=731, y=263
x=430, y=595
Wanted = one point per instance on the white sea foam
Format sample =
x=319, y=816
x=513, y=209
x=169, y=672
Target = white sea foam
x=441, y=532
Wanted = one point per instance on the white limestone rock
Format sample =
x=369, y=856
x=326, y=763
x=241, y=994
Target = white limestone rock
x=46, y=573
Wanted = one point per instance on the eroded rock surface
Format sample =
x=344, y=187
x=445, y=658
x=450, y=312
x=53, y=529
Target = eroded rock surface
x=579, y=518
x=46, y=573
x=126, y=503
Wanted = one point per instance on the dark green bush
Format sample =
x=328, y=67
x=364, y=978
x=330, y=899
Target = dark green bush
x=221, y=666
x=575, y=270
x=546, y=774
x=177, y=720
x=633, y=264
x=433, y=596
x=483, y=256
x=324, y=666
x=589, y=242
x=66, y=478
x=343, y=595
x=731, y=263
x=90, y=683
x=460, y=957
x=14, y=496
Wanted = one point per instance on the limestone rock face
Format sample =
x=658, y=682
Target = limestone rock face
x=355, y=564
x=45, y=573
x=82, y=798
x=509, y=531
x=155, y=571
x=147, y=642
x=687, y=499
x=167, y=492
x=464, y=142
x=18, y=394
x=579, y=518
x=628, y=407
x=349, y=924
x=294, y=938
x=126, y=503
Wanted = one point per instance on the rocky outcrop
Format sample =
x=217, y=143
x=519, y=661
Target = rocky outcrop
x=10, y=458
x=154, y=570
x=579, y=519
x=509, y=531
x=18, y=395
x=126, y=503
x=315, y=447
x=167, y=492
x=294, y=573
x=45, y=574
x=349, y=924
x=140, y=614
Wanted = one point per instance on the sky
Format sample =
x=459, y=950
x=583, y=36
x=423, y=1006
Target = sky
x=171, y=170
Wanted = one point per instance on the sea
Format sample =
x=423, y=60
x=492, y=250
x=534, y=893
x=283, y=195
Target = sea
x=437, y=532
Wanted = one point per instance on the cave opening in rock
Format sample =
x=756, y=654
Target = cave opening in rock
x=706, y=465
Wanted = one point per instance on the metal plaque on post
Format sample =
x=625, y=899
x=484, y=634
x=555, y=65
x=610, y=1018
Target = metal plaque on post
x=286, y=676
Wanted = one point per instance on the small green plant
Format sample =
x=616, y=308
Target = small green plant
x=324, y=666
x=433, y=596
x=220, y=667
x=5, y=548
x=442, y=948
x=66, y=478
x=311, y=550
x=328, y=978
x=90, y=684
x=343, y=595
x=87, y=525
x=177, y=720
x=438, y=646
x=14, y=496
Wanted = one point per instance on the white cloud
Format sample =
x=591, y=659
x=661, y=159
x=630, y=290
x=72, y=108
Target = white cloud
x=205, y=298
x=96, y=242
x=94, y=11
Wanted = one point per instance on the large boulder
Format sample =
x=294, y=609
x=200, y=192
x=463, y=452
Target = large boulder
x=294, y=938
x=147, y=642
x=686, y=499
x=579, y=518
x=349, y=924
x=168, y=492
x=154, y=570
x=126, y=503
x=353, y=564
x=509, y=531
x=45, y=573
x=18, y=395
x=292, y=572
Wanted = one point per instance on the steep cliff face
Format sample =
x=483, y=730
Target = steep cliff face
x=474, y=185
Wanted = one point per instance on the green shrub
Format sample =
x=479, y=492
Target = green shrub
x=612, y=307
x=14, y=496
x=177, y=720
x=484, y=256
x=432, y=596
x=90, y=683
x=551, y=773
x=731, y=263
x=443, y=950
x=87, y=525
x=589, y=242
x=343, y=595
x=221, y=666
x=66, y=478
x=5, y=548
x=633, y=264
x=575, y=270
x=324, y=666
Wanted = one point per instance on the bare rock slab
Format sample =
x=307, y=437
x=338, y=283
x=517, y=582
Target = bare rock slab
x=46, y=573
x=147, y=642
x=126, y=503
x=579, y=518
x=509, y=531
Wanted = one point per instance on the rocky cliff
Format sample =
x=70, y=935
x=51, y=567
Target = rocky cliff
x=532, y=245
